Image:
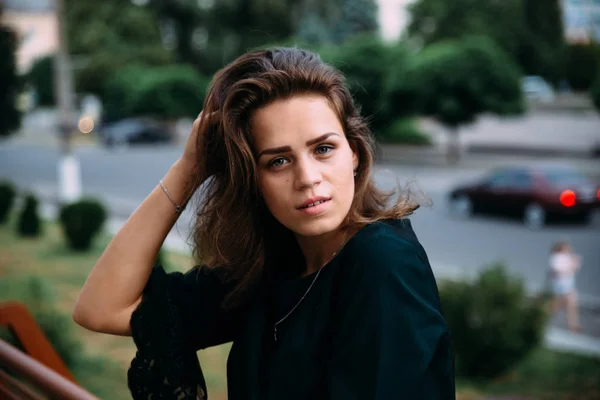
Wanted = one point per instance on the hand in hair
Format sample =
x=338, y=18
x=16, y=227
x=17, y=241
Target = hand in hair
x=203, y=125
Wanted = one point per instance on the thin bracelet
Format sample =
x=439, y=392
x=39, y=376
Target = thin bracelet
x=178, y=208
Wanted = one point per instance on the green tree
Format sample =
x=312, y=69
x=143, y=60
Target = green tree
x=208, y=34
x=236, y=26
x=100, y=48
x=181, y=19
x=167, y=92
x=595, y=92
x=367, y=62
x=456, y=80
x=170, y=92
x=582, y=62
x=10, y=84
x=435, y=20
x=41, y=77
x=529, y=31
x=312, y=30
x=357, y=17
x=542, y=45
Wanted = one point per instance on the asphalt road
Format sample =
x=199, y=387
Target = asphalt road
x=455, y=247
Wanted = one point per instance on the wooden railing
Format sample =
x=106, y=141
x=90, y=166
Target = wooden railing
x=38, y=364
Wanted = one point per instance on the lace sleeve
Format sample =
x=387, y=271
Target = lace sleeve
x=165, y=365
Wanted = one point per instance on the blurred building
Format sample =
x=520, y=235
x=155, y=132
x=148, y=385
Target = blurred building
x=581, y=19
x=393, y=17
x=36, y=26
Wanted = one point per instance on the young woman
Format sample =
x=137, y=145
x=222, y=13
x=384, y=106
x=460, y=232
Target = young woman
x=320, y=283
x=563, y=266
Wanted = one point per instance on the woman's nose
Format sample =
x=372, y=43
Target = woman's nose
x=308, y=174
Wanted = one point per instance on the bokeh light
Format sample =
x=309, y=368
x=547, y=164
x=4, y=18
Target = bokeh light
x=86, y=125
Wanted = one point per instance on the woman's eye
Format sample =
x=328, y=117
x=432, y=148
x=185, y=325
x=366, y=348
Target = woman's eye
x=323, y=149
x=276, y=162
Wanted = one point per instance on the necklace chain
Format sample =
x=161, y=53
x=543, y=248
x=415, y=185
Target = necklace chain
x=307, y=290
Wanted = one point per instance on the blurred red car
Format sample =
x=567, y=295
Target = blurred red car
x=534, y=193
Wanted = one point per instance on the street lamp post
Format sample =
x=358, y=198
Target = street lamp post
x=69, y=170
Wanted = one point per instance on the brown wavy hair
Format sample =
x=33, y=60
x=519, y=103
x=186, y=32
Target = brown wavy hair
x=234, y=231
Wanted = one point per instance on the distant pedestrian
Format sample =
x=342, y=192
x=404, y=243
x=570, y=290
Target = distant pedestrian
x=563, y=265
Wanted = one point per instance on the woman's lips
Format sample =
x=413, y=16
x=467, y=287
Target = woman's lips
x=317, y=208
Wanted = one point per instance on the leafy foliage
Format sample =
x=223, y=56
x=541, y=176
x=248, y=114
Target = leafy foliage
x=366, y=62
x=8, y=193
x=81, y=222
x=595, y=92
x=529, y=31
x=454, y=81
x=10, y=84
x=405, y=131
x=541, y=48
x=493, y=323
x=133, y=35
x=582, y=65
x=41, y=77
x=436, y=20
x=167, y=92
x=29, y=223
x=357, y=17
x=313, y=30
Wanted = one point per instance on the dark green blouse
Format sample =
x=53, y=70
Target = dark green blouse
x=371, y=327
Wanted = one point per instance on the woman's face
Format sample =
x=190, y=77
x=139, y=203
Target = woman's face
x=305, y=164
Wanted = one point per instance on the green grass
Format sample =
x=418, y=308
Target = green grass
x=544, y=375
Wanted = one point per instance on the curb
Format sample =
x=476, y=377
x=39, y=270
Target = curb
x=479, y=154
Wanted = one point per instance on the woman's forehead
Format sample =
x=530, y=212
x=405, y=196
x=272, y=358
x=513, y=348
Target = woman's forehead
x=295, y=118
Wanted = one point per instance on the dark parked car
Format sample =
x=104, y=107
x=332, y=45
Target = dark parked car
x=536, y=194
x=132, y=131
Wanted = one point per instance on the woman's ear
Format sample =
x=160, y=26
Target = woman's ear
x=355, y=161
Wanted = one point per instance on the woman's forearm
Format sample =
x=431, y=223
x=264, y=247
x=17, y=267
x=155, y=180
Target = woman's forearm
x=114, y=287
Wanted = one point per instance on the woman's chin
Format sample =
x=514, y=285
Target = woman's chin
x=315, y=227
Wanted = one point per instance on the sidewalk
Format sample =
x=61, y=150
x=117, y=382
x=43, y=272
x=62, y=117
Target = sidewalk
x=556, y=337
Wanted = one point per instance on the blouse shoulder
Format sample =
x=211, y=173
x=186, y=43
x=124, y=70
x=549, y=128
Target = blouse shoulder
x=386, y=256
x=385, y=244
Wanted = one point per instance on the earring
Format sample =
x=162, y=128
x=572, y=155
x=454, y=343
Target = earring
x=354, y=173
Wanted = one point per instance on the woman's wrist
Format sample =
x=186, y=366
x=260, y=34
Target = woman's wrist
x=180, y=181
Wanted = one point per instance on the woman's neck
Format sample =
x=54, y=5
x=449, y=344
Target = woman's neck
x=319, y=250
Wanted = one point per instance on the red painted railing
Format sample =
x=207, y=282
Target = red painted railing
x=38, y=364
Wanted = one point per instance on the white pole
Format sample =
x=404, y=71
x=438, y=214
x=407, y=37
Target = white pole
x=69, y=175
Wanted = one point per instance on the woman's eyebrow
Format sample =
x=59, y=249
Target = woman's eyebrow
x=284, y=149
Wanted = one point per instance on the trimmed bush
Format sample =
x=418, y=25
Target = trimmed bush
x=81, y=222
x=493, y=323
x=8, y=193
x=30, y=223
